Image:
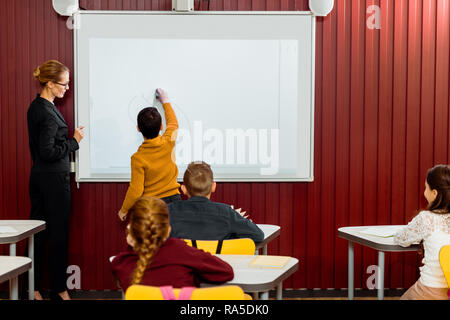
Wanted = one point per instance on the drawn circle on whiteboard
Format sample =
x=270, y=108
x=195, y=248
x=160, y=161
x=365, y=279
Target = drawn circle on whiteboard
x=139, y=102
x=183, y=118
x=136, y=104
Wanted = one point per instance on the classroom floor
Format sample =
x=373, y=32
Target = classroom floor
x=287, y=295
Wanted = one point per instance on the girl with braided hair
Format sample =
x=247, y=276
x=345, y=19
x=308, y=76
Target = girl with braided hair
x=157, y=260
x=432, y=227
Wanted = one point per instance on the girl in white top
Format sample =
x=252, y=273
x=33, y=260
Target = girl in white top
x=432, y=226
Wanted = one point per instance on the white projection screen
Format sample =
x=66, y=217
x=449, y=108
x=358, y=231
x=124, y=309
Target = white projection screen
x=241, y=85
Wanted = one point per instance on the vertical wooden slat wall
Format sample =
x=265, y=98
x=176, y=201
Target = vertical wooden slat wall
x=381, y=120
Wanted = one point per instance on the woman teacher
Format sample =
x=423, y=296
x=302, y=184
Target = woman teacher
x=49, y=179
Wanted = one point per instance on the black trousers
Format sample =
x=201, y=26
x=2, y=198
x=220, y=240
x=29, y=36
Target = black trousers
x=169, y=199
x=50, y=201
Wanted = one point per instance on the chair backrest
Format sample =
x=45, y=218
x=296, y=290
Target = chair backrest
x=230, y=246
x=219, y=293
x=206, y=245
x=444, y=260
x=141, y=292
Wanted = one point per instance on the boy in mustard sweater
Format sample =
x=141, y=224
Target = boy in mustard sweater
x=153, y=168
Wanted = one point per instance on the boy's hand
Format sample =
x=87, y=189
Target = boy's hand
x=122, y=215
x=163, y=97
x=243, y=213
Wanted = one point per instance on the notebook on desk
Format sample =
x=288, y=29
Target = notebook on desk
x=269, y=262
x=7, y=229
x=381, y=231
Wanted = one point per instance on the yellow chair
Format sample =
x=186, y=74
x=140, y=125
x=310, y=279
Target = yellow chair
x=141, y=292
x=444, y=260
x=230, y=246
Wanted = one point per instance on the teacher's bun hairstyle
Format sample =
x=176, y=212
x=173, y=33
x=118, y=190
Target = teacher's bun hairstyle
x=49, y=71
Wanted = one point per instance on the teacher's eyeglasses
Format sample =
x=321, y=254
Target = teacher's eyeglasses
x=65, y=85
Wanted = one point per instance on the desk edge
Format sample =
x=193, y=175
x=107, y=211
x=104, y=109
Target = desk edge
x=374, y=245
x=21, y=236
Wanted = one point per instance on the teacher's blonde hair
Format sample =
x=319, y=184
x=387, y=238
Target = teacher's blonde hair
x=49, y=71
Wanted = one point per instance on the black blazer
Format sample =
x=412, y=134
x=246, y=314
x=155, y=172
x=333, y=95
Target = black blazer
x=48, y=137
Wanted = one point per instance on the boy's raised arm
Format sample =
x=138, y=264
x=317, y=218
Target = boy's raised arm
x=171, y=118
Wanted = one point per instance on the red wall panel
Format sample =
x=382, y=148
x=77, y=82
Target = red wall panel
x=343, y=76
x=381, y=119
x=400, y=77
x=358, y=25
x=441, y=113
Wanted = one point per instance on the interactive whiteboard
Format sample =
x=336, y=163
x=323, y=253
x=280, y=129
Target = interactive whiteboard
x=241, y=85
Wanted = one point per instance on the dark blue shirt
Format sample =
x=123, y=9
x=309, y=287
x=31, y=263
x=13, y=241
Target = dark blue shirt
x=199, y=218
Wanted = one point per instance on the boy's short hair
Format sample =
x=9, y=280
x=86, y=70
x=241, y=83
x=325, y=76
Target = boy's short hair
x=149, y=122
x=198, y=179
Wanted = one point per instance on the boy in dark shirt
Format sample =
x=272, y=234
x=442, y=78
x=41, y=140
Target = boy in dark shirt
x=199, y=218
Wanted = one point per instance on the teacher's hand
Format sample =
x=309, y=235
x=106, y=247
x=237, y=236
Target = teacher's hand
x=79, y=134
x=122, y=215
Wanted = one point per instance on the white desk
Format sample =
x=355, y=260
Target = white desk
x=353, y=235
x=257, y=279
x=270, y=233
x=10, y=269
x=25, y=229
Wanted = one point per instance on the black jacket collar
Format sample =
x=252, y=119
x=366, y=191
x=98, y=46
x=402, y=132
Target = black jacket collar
x=199, y=199
x=44, y=101
x=51, y=106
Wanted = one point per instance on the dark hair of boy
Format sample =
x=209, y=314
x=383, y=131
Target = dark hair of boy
x=149, y=122
x=198, y=179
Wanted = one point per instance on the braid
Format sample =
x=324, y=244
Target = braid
x=147, y=251
x=149, y=226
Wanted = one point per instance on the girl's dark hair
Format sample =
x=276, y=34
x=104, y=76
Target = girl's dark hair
x=438, y=178
x=149, y=122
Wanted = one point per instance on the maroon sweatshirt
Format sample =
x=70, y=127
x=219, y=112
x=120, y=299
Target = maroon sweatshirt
x=174, y=264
